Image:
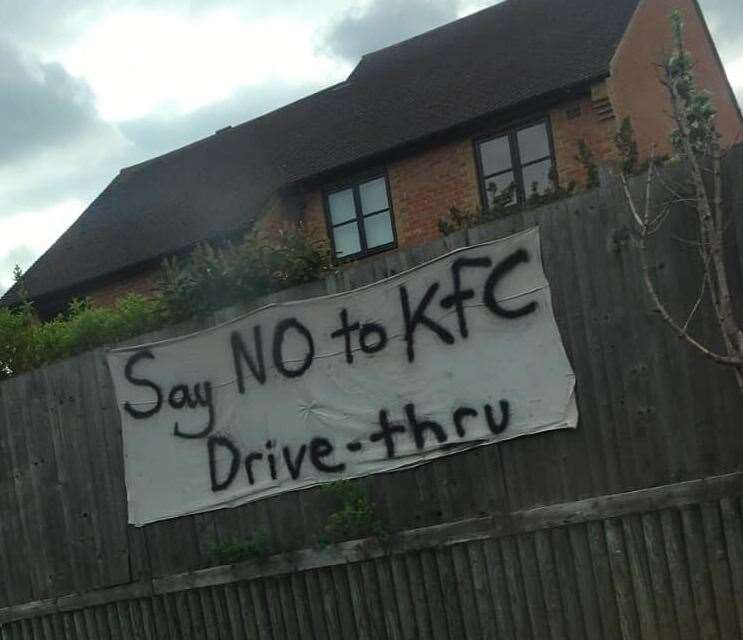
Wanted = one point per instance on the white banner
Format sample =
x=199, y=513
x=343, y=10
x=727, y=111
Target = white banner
x=458, y=352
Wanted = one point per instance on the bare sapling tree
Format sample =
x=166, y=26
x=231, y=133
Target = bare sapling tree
x=697, y=144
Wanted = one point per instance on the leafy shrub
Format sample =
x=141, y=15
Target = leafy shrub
x=502, y=204
x=626, y=145
x=208, y=279
x=554, y=192
x=585, y=157
x=356, y=518
x=629, y=157
x=263, y=262
x=27, y=343
x=231, y=550
x=458, y=219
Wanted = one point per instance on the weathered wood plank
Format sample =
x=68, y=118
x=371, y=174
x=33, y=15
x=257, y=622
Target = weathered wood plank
x=733, y=528
x=501, y=600
x=704, y=604
x=717, y=560
x=343, y=603
x=678, y=569
x=659, y=575
x=644, y=600
x=535, y=604
x=622, y=578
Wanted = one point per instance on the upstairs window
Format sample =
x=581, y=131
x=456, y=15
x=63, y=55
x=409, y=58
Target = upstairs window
x=520, y=159
x=360, y=218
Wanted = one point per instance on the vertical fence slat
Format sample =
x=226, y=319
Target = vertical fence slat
x=314, y=597
x=360, y=612
x=419, y=609
x=668, y=628
x=538, y=615
x=622, y=579
x=701, y=584
x=550, y=587
x=516, y=589
x=343, y=603
x=486, y=608
x=717, y=559
x=370, y=594
x=466, y=591
x=679, y=573
x=640, y=575
x=733, y=528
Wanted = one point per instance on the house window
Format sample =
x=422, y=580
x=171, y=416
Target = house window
x=520, y=159
x=360, y=218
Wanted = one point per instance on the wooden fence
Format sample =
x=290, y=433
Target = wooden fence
x=628, y=527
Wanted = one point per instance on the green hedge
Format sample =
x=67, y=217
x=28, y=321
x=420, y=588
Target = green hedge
x=208, y=279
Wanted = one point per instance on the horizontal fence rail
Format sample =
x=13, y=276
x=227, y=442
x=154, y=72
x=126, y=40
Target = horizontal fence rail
x=669, y=573
x=654, y=415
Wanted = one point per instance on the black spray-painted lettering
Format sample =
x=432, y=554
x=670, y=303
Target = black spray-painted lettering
x=142, y=382
x=253, y=456
x=460, y=296
x=278, y=342
x=294, y=464
x=345, y=331
x=377, y=334
x=387, y=433
x=495, y=426
x=180, y=397
x=419, y=428
x=321, y=448
x=501, y=269
x=459, y=416
x=418, y=317
x=372, y=336
x=241, y=353
x=222, y=441
x=271, y=460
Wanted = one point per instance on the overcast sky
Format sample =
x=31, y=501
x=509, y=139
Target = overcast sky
x=90, y=86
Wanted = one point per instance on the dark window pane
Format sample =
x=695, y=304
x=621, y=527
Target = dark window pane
x=497, y=185
x=341, y=206
x=537, y=175
x=533, y=143
x=347, y=241
x=378, y=229
x=495, y=155
x=373, y=196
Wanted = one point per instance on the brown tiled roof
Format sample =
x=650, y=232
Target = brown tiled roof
x=488, y=62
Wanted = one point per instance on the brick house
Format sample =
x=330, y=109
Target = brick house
x=499, y=96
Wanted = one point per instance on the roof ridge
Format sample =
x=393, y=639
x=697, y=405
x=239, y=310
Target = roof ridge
x=448, y=25
x=218, y=184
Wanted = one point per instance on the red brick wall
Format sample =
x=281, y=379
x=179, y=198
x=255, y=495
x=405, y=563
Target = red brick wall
x=143, y=283
x=634, y=84
x=425, y=185
x=590, y=119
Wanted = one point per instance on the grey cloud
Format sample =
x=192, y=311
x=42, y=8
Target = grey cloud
x=48, y=24
x=85, y=170
x=129, y=143
x=40, y=105
x=725, y=18
x=20, y=255
x=385, y=22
